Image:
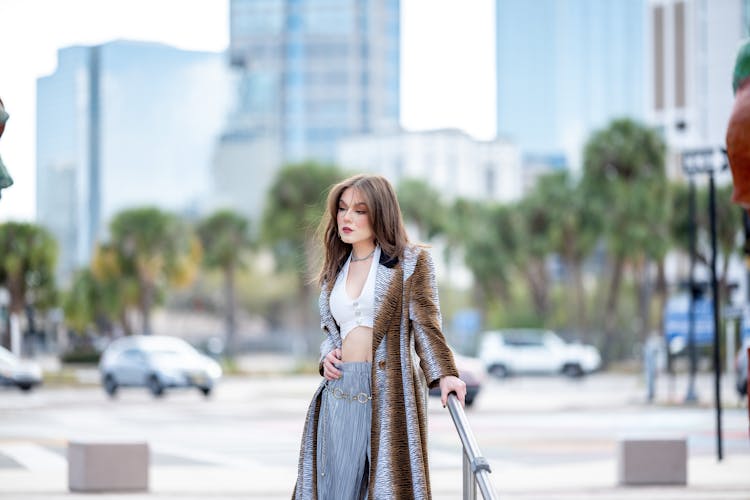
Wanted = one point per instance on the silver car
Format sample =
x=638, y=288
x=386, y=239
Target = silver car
x=157, y=363
x=17, y=372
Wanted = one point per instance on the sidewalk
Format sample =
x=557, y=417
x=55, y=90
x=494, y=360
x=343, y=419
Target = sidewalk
x=590, y=474
x=596, y=480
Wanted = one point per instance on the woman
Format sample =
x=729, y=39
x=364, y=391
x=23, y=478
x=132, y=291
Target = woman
x=366, y=430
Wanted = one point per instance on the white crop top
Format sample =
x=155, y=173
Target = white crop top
x=350, y=313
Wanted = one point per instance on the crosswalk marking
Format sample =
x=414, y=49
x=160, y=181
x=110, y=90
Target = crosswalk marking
x=208, y=457
x=33, y=456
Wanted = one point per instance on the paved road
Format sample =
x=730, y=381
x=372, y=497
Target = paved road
x=544, y=437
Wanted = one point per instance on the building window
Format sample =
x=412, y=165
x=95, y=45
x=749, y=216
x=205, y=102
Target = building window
x=679, y=54
x=658, y=20
x=329, y=17
x=489, y=180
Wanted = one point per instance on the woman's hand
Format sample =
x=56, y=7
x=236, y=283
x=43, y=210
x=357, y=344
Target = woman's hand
x=330, y=372
x=450, y=384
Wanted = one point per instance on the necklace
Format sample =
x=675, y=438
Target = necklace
x=359, y=259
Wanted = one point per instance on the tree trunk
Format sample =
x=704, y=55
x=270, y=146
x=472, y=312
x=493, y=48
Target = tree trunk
x=17, y=292
x=231, y=308
x=125, y=322
x=308, y=318
x=536, y=275
x=310, y=313
x=5, y=337
x=580, y=299
x=643, y=296
x=147, y=301
x=610, y=310
x=661, y=291
x=724, y=290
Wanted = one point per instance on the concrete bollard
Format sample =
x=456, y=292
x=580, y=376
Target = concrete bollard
x=652, y=461
x=108, y=466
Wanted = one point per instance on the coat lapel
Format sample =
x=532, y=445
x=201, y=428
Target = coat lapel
x=388, y=288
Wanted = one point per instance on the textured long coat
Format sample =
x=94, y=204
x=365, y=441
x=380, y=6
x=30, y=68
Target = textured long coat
x=407, y=322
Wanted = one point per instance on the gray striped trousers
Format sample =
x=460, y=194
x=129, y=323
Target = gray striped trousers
x=343, y=450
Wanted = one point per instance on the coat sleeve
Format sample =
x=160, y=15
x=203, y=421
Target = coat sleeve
x=435, y=357
x=328, y=344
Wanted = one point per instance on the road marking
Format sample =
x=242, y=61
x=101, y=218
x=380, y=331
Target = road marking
x=34, y=457
x=208, y=457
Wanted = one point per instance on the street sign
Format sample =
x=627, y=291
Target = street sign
x=677, y=318
x=745, y=324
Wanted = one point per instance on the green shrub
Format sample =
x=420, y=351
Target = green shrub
x=87, y=356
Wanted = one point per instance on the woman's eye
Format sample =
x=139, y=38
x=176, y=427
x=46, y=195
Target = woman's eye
x=342, y=209
x=361, y=212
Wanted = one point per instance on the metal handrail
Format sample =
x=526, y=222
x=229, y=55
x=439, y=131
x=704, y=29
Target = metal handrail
x=476, y=469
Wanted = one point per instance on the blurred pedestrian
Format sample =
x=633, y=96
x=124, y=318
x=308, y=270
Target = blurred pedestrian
x=365, y=435
x=652, y=349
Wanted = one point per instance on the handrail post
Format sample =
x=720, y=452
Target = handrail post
x=476, y=469
x=470, y=485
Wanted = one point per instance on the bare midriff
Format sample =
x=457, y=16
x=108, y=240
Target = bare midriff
x=357, y=345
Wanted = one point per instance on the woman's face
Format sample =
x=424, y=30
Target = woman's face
x=353, y=218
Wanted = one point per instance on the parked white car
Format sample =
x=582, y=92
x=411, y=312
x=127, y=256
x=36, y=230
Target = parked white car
x=527, y=351
x=158, y=363
x=21, y=373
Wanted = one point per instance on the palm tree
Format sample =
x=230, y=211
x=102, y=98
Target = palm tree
x=157, y=250
x=28, y=255
x=225, y=238
x=116, y=285
x=421, y=205
x=294, y=206
x=537, y=242
x=573, y=231
x=624, y=180
x=491, y=243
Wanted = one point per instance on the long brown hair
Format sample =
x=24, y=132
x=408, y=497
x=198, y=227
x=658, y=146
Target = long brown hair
x=385, y=218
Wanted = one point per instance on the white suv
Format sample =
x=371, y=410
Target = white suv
x=507, y=352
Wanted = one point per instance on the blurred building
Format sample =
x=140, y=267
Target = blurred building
x=124, y=124
x=566, y=68
x=450, y=161
x=692, y=49
x=311, y=72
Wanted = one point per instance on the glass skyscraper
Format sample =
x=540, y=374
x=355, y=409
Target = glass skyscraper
x=314, y=71
x=565, y=68
x=124, y=124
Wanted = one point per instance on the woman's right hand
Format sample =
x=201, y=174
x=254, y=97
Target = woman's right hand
x=330, y=372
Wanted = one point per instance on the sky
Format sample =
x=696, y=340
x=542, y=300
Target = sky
x=447, y=63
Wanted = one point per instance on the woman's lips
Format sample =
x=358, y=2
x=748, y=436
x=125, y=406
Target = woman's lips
x=346, y=230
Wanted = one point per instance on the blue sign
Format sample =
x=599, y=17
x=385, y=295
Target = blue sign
x=676, y=320
x=745, y=324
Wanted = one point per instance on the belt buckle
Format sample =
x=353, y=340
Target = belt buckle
x=338, y=393
x=362, y=397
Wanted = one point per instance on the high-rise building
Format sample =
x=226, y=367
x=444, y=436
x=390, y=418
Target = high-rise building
x=317, y=70
x=692, y=49
x=453, y=164
x=450, y=161
x=124, y=124
x=311, y=73
x=566, y=68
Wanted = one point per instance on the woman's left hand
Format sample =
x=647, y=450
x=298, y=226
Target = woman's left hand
x=450, y=384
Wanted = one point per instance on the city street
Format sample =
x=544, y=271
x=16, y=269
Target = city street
x=544, y=437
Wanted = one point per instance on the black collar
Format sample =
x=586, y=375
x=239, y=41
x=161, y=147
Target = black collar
x=387, y=260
